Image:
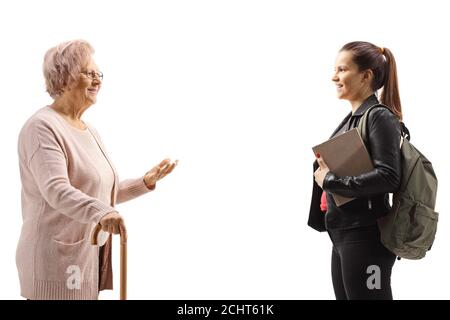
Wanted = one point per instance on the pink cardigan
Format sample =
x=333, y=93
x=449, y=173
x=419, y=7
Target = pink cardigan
x=61, y=205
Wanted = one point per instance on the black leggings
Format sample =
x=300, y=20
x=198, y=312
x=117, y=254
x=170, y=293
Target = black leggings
x=360, y=265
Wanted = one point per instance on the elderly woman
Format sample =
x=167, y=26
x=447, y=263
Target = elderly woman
x=69, y=185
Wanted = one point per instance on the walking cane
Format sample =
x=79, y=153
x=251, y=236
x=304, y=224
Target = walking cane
x=123, y=258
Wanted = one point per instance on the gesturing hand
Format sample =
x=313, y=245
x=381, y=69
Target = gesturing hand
x=159, y=171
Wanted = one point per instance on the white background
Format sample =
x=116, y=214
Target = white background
x=238, y=91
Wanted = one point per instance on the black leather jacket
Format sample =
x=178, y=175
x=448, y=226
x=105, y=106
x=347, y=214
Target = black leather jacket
x=370, y=189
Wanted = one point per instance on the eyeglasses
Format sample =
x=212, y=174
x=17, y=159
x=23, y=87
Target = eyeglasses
x=93, y=74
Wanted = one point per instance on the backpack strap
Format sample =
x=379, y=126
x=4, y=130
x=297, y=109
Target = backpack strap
x=405, y=131
x=362, y=125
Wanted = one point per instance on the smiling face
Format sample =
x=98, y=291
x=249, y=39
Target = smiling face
x=351, y=84
x=84, y=91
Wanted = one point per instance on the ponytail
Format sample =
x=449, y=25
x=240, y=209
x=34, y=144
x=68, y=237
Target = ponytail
x=390, y=93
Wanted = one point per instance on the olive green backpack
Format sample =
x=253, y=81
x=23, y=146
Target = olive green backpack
x=409, y=229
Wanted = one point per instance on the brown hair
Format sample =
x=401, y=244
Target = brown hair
x=382, y=63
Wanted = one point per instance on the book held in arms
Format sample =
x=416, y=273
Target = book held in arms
x=345, y=155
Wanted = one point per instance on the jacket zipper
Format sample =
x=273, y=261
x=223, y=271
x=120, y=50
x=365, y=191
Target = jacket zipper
x=369, y=202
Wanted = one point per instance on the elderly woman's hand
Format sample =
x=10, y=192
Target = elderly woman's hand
x=113, y=222
x=158, y=172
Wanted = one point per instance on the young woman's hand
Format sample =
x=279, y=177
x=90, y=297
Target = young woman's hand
x=321, y=172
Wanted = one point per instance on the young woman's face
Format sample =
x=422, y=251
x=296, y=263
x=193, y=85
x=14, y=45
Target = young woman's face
x=350, y=83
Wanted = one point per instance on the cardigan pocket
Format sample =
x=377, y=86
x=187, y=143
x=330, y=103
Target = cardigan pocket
x=72, y=262
x=69, y=244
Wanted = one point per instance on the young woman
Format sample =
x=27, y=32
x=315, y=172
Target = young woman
x=361, y=266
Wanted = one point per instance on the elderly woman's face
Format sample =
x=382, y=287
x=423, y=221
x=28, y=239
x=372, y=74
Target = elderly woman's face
x=85, y=90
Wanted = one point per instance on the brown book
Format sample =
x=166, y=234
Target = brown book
x=345, y=155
